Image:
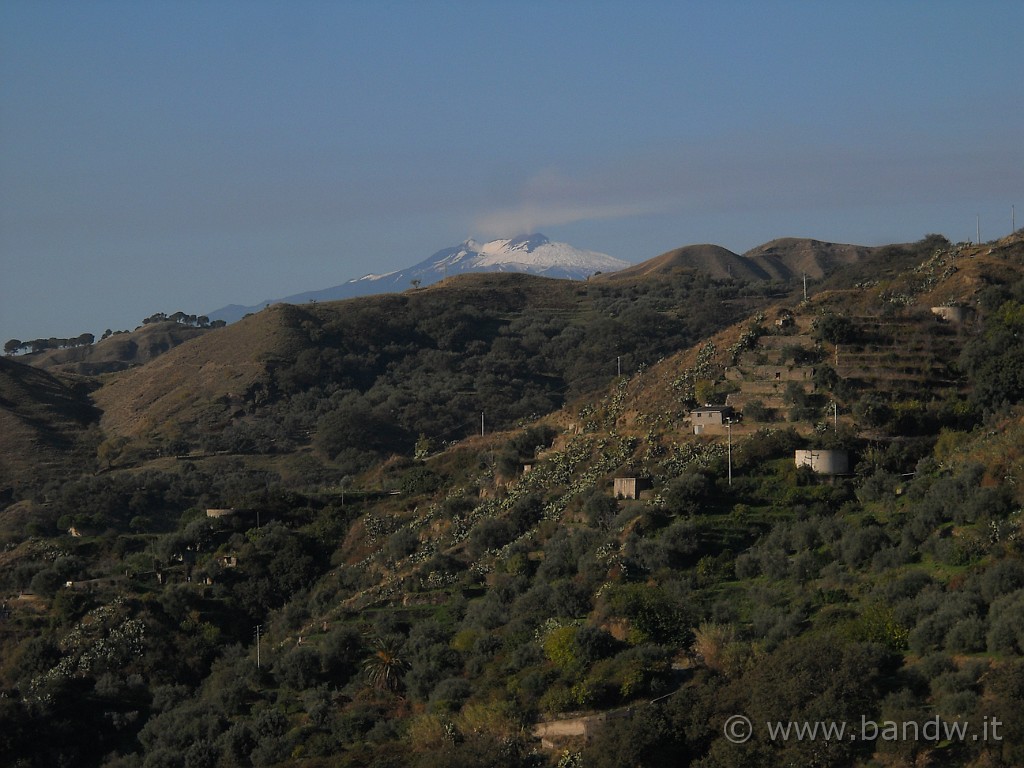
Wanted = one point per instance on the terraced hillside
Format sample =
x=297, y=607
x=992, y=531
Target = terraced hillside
x=393, y=367
x=489, y=599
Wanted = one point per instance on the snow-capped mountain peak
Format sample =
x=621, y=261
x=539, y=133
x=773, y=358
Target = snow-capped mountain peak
x=534, y=254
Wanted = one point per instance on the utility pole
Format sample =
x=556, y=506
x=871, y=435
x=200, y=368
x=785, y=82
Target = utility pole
x=979, y=229
x=618, y=362
x=805, y=286
x=835, y=415
x=257, y=646
x=481, y=423
x=728, y=426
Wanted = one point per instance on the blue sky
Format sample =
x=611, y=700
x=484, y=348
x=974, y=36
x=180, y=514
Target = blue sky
x=158, y=155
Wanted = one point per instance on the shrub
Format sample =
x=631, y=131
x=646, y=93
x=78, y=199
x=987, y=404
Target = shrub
x=755, y=410
x=649, y=738
x=860, y=544
x=340, y=651
x=594, y=643
x=526, y=443
x=877, y=624
x=710, y=642
x=747, y=566
x=420, y=480
x=836, y=329
x=880, y=485
x=994, y=361
x=561, y=650
x=967, y=636
x=1006, y=633
x=46, y=582
x=1002, y=578
x=559, y=557
x=652, y=614
x=600, y=509
x=490, y=533
x=873, y=410
x=298, y=669
x=569, y=599
x=684, y=494
x=450, y=694
x=402, y=543
x=526, y=512
x=939, y=614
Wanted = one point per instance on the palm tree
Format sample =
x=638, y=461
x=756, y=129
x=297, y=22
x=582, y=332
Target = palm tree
x=386, y=664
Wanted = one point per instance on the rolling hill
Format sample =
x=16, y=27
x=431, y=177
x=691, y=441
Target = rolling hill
x=116, y=352
x=783, y=260
x=457, y=598
x=790, y=257
x=42, y=420
x=531, y=254
x=714, y=260
x=428, y=360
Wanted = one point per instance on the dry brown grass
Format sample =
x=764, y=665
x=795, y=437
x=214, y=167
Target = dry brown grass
x=714, y=260
x=200, y=378
x=786, y=258
x=791, y=257
x=117, y=352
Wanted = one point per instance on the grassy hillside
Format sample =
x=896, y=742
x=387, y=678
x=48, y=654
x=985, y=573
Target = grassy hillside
x=783, y=260
x=42, y=421
x=370, y=376
x=118, y=351
x=790, y=258
x=476, y=600
x=713, y=260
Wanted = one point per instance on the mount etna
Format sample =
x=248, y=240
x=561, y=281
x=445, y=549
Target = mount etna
x=533, y=254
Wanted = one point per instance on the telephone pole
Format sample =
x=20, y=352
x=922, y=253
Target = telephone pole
x=805, y=286
x=481, y=423
x=257, y=646
x=728, y=425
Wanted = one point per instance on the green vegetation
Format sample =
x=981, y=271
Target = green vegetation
x=14, y=346
x=363, y=379
x=994, y=359
x=379, y=585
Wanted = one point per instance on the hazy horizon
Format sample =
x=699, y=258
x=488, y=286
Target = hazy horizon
x=169, y=156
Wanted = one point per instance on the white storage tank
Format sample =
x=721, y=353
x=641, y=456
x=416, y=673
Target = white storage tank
x=824, y=462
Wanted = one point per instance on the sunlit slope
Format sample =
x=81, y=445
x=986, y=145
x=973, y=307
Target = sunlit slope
x=119, y=351
x=199, y=379
x=425, y=362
